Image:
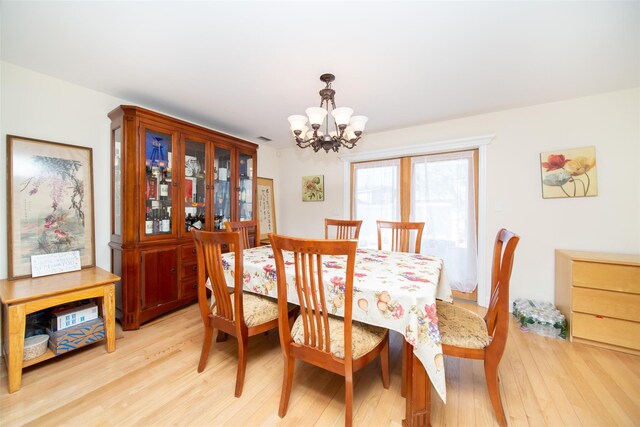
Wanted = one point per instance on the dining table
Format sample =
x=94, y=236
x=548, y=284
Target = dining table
x=394, y=290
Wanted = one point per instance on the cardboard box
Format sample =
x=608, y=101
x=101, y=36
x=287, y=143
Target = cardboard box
x=73, y=316
x=76, y=336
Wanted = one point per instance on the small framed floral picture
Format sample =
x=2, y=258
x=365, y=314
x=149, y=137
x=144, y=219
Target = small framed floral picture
x=569, y=173
x=313, y=188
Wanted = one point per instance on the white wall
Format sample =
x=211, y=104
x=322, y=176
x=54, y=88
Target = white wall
x=37, y=106
x=609, y=222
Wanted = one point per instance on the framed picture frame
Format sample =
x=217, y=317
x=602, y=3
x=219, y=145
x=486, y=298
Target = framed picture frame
x=266, y=208
x=569, y=173
x=313, y=188
x=50, y=202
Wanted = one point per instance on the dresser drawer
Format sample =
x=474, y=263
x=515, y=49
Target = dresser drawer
x=618, y=305
x=613, y=277
x=189, y=252
x=189, y=288
x=189, y=269
x=622, y=333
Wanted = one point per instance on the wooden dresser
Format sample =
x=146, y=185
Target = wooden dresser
x=599, y=293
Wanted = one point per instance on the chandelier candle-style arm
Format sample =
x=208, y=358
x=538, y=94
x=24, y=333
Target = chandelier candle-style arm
x=348, y=128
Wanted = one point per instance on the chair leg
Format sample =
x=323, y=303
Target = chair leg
x=222, y=336
x=206, y=346
x=491, y=373
x=348, y=398
x=287, y=380
x=384, y=363
x=243, y=342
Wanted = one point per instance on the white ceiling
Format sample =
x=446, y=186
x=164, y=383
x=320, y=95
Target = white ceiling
x=243, y=67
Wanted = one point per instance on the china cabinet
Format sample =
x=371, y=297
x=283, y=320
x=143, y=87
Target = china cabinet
x=169, y=176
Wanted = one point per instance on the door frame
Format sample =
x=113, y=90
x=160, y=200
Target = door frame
x=478, y=142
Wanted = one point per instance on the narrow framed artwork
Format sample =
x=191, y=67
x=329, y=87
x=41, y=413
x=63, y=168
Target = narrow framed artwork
x=569, y=173
x=313, y=188
x=266, y=208
x=50, y=202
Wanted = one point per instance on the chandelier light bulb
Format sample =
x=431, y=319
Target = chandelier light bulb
x=342, y=115
x=297, y=122
x=358, y=122
x=316, y=115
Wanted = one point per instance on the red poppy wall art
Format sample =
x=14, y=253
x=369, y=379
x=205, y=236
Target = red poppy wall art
x=569, y=173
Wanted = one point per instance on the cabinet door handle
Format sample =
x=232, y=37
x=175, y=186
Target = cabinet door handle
x=172, y=271
x=193, y=250
x=194, y=286
x=194, y=268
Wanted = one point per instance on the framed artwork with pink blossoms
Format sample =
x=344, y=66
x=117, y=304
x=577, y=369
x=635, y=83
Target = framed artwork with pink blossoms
x=50, y=195
x=569, y=173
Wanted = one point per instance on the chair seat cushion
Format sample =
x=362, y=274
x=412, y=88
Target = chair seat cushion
x=256, y=309
x=364, y=338
x=460, y=327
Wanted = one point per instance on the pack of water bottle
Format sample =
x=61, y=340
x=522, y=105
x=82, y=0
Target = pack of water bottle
x=542, y=318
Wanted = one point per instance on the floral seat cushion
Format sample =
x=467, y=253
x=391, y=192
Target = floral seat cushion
x=364, y=338
x=256, y=309
x=460, y=327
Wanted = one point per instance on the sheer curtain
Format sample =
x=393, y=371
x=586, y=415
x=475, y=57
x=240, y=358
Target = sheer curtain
x=376, y=196
x=443, y=195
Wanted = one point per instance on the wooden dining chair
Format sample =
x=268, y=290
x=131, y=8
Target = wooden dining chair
x=247, y=315
x=466, y=334
x=401, y=233
x=338, y=345
x=244, y=227
x=344, y=229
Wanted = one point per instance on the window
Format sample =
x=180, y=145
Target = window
x=375, y=196
x=443, y=196
x=438, y=189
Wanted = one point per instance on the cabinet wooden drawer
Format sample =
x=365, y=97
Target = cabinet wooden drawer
x=622, y=333
x=189, y=269
x=189, y=288
x=189, y=252
x=618, y=305
x=613, y=277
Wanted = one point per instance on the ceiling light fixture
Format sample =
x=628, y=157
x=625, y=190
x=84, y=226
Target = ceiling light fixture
x=348, y=129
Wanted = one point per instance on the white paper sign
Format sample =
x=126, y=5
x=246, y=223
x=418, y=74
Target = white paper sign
x=61, y=262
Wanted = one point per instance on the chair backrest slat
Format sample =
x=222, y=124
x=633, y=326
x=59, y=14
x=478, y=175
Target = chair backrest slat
x=244, y=227
x=401, y=235
x=344, y=229
x=497, y=316
x=209, y=255
x=310, y=287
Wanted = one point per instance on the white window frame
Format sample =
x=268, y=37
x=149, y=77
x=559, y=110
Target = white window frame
x=478, y=142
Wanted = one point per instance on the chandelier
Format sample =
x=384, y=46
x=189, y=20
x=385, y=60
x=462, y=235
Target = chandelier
x=348, y=128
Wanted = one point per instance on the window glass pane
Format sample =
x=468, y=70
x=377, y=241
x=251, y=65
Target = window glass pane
x=376, y=194
x=443, y=195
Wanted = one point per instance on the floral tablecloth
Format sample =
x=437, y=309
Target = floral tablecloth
x=394, y=290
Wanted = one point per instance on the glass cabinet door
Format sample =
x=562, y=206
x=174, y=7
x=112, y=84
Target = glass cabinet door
x=157, y=190
x=195, y=185
x=116, y=225
x=245, y=197
x=221, y=187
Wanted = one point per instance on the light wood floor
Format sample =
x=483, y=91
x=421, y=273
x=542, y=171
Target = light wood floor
x=151, y=379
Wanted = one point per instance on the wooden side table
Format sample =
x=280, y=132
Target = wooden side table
x=25, y=296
